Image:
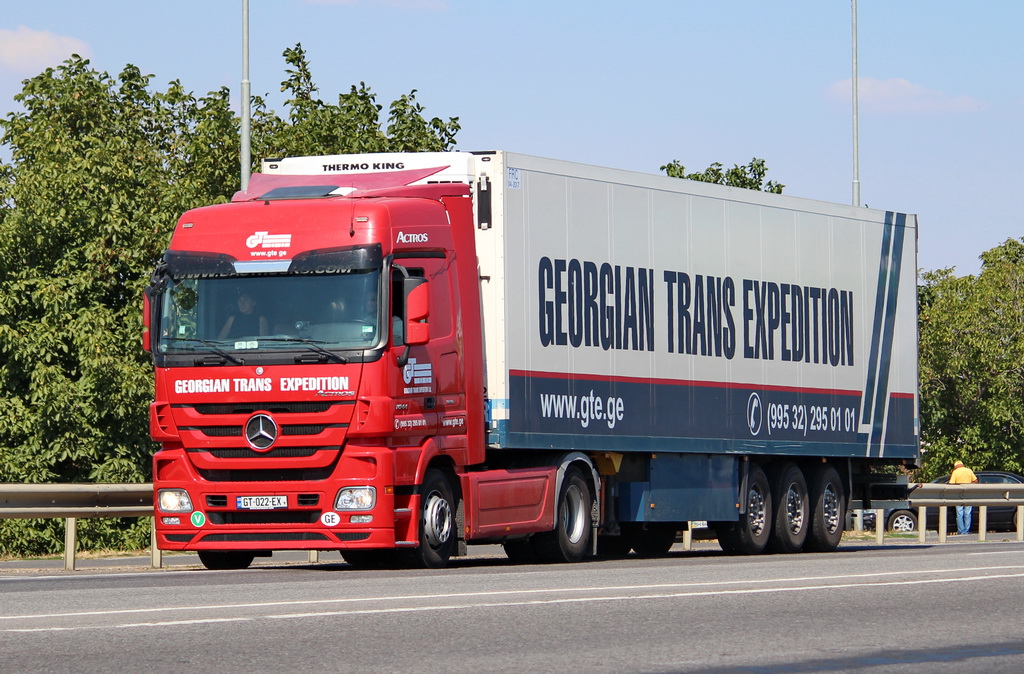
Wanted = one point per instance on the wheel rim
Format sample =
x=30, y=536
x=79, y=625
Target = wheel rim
x=756, y=511
x=902, y=523
x=437, y=520
x=830, y=509
x=574, y=514
x=795, y=510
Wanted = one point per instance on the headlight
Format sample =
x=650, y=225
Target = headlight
x=174, y=501
x=356, y=498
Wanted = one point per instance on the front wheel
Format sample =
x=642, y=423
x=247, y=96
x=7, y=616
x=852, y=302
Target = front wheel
x=438, y=537
x=570, y=541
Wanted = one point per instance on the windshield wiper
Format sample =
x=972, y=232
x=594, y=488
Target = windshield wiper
x=213, y=347
x=312, y=344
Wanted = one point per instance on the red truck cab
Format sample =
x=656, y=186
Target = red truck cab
x=318, y=372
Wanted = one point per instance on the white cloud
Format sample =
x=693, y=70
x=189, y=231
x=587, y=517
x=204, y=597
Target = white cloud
x=900, y=96
x=26, y=52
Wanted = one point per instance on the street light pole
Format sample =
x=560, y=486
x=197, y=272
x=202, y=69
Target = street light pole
x=246, y=151
x=856, y=133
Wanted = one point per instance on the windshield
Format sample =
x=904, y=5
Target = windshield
x=318, y=312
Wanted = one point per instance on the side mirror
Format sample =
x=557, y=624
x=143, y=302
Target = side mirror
x=145, y=322
x=417, y=309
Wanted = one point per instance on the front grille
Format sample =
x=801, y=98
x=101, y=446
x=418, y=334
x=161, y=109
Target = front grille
x=247, y=538
x=274, y=408
x=277, y=452
x=265, y=517
x=287, y=429
x=216, y=501
x=179, y=538
x=268, y=475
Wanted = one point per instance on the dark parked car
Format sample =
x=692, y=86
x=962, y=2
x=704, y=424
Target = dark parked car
x=1001, y=518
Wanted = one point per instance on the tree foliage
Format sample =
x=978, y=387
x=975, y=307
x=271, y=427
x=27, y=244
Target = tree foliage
x=750, y=176
x=100, y=169
x=972, y=364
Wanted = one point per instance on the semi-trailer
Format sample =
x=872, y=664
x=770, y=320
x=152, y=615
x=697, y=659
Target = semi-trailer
x=394, y=355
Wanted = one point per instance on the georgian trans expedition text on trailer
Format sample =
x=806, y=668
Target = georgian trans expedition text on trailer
x=393, y=355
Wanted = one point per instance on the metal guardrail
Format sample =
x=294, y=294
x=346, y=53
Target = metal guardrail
x=71, y=501
x=938, y=494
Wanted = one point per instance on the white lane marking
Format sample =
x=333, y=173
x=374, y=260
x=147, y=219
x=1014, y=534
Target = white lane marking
x=529, y=602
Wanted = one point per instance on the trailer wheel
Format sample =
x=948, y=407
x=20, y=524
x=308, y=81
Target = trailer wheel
x=827, y=510
x=792, y=510
x=220, y=560
x=656, y=540
x=570, y=541
x=438, y=537
x=749, y=536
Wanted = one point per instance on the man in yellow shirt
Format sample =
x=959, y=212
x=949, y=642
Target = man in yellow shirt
x=962, y=475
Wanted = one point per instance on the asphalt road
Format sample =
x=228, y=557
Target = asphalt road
x=906, y=608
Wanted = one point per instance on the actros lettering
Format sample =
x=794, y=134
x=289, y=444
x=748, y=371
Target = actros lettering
x=413, y=237
x=585, y=304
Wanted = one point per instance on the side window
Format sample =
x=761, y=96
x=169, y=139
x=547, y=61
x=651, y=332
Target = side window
x=994, y=479
x=398, y=303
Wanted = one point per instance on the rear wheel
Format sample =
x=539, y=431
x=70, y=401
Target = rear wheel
x=570, y=541
x=438, y=537
x=827, y=510
x=789, y=494
x=219, y=560
x=749, y=536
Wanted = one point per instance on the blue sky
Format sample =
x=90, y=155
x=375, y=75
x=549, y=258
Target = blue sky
x=630, y=84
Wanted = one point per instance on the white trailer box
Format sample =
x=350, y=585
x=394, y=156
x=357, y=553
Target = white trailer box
x=628, y=311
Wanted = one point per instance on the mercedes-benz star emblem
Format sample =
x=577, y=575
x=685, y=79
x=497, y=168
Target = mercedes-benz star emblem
x=260, y=432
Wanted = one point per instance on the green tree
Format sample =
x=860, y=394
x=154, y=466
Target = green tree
x=100, y=169
x=972, y=364
x=750, y=176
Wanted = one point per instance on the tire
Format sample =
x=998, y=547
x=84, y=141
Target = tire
x=221, y=560
x=570, y=541
x=750, y=535
x=656, y=540
x=438, y=538
x=521, y=551
x=902, y=521
x=792, y=509
x=828, y=510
